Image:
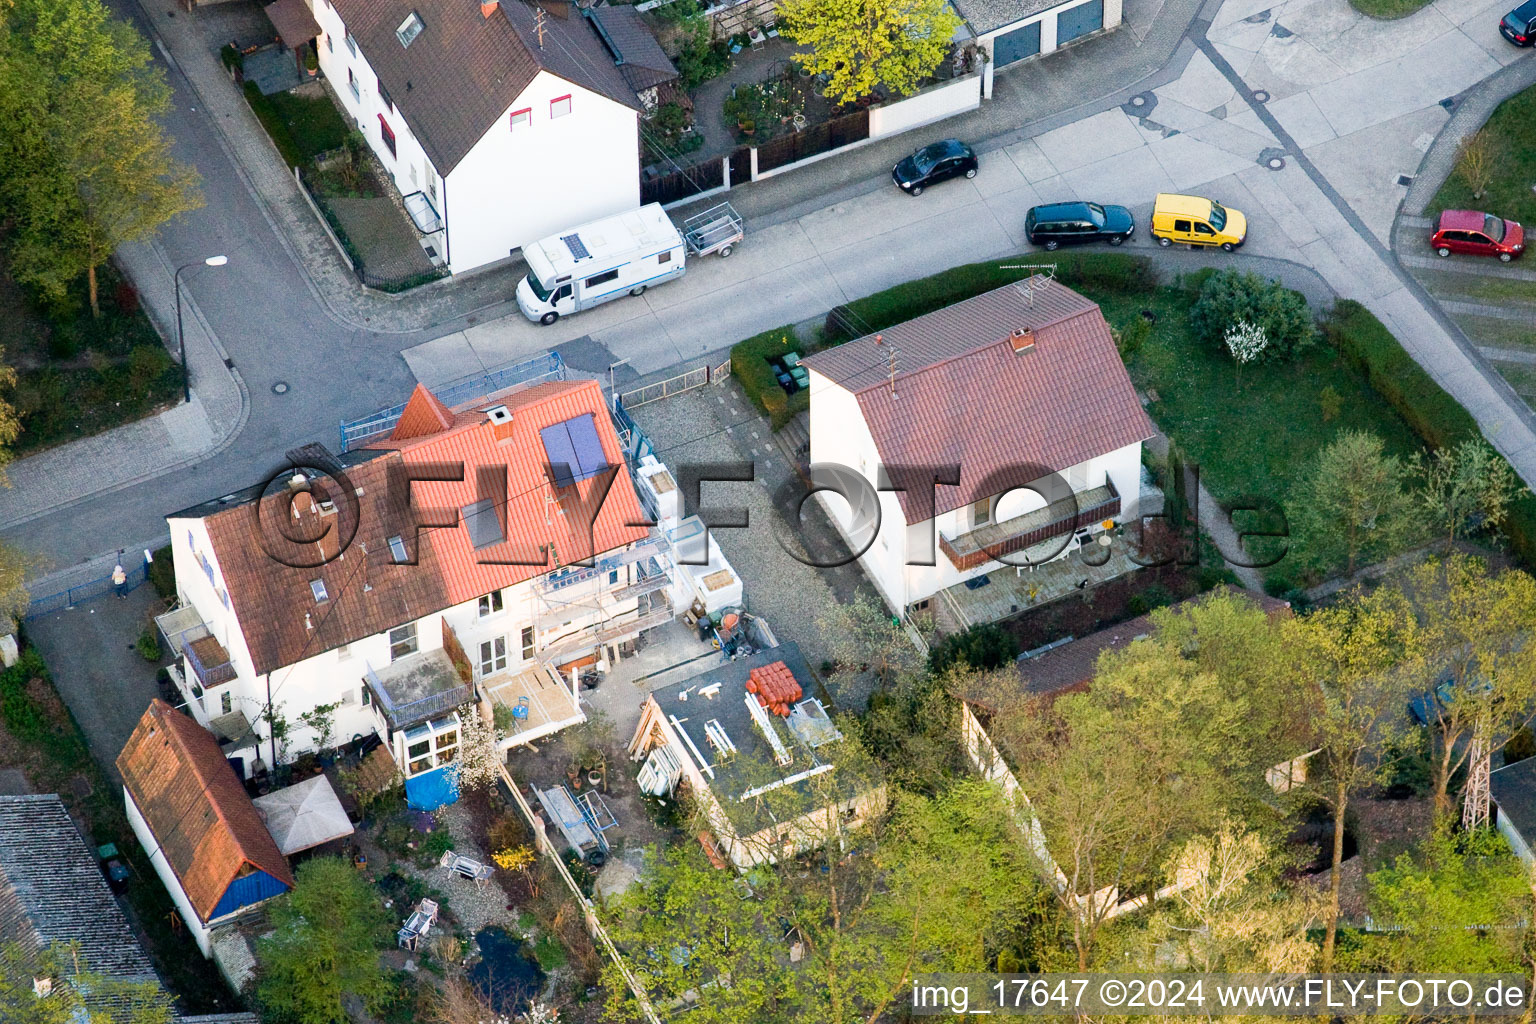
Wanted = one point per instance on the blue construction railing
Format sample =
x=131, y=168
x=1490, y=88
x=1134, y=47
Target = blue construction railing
x=71, y=596
x=549, y=366
x=636, y=445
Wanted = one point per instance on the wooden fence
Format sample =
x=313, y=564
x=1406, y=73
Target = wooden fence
x=813, y=140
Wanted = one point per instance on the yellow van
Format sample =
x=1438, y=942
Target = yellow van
x=1197, y=221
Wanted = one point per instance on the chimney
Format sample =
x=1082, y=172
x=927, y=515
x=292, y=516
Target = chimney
x=879, y=339
x=1022, y=339
x=488, y=7
x=500, y=419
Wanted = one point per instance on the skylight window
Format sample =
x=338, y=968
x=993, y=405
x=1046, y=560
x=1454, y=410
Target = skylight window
x=397, y=549
x=409, y=29
x=481, y=522
x=317, y=587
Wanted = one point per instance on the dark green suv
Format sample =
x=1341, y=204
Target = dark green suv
x=1056, y=224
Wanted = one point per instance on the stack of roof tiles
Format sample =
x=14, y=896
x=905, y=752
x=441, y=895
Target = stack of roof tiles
x=775, y=687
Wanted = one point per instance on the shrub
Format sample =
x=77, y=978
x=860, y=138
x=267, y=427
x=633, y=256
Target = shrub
x=162, y=573
x=983, y=646
x=148, y=645
x=1228, y=297
x=1330, y=402
x=23, y=718
x=146, y=365
x=1134, y=334
x=1154, y=596
x=750, y=367
x=1434, y=415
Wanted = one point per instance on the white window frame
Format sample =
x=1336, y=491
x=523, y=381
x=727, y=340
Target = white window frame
x=491, y=604
x=493, y=656
x=560, y=106
x=407, y=639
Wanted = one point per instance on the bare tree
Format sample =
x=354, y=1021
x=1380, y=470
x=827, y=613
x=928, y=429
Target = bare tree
x=1477, y=158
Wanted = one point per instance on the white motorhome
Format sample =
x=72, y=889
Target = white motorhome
x=587, y=266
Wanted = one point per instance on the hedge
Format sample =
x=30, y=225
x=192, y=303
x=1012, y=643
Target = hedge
x=1110, y=271
x=750, y=367
x=1434, y=415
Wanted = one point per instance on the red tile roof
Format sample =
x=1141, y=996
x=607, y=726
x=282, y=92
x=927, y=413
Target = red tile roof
x=964, y=396
x=366, y=591
x=424, y=414
x=195, y=806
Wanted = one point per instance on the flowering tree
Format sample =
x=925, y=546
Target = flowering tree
x=479, y=762
x=1246, y=342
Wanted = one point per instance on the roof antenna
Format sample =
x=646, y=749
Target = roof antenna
x=366, y=585
x=893, y=373
x=538, y=24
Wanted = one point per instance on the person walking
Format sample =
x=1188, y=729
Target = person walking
x=120, y=580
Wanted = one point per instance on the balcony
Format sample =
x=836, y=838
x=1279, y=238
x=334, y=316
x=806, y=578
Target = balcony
x=552, y=585
x=612, y=629
x=188, y=636
x=417, y=688
x=991, y=542
x=539, y=701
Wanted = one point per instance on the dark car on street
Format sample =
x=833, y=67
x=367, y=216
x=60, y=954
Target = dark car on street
x=933, y=164
x=1056, y=224
x=1519, y=25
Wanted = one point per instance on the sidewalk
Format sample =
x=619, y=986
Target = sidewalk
x=1053, y=88
x=181, y=436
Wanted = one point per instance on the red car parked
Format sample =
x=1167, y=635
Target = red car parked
x=1478, y=234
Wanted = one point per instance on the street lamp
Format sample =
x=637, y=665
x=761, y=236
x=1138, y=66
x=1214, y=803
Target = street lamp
x=613, y=394
x=181, y=340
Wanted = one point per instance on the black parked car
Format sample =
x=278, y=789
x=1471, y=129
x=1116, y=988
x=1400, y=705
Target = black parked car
x=933, y=164
x=1519, y=25
x=1056, y=224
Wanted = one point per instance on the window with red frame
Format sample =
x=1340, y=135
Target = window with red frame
x=389, y=135
x=559, y=106
x=522, y=118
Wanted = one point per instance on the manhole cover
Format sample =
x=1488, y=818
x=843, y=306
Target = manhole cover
x=1275, y=163
x=280, y=388
x=1260, y=96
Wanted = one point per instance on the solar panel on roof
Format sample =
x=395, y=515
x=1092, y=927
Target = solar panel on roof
x=589, y=448
x=575, y=451
x=576, y=245
x=561, y=454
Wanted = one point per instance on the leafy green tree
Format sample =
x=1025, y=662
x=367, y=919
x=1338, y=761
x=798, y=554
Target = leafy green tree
x=1352, y=503
x=1358, y=660
x=1231, y=911
x=86, y=167
x=1477, y=623
x=1457, y=904
x=691, y=929
x=1229, y=297
x=985, y=645
x=327, y=934
x=863, y=636
x=77, y=994
x=865, y=45
x=1468, y=483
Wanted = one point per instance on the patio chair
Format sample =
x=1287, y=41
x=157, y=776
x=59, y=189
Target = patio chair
x=406, y=938
x=520, y=713
x=429, y=907
x=446, y=860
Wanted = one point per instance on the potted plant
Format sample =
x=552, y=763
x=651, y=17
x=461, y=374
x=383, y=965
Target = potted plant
x=312, y=62
x=746, y=126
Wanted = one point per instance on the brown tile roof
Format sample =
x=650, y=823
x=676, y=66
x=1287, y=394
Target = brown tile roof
x=195, y=806
x=964, y=396
x=459, y=76
x=1072, y=665
x=366, y=591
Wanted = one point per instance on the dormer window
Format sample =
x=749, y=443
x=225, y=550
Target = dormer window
x=409, y=29
x=317, y=588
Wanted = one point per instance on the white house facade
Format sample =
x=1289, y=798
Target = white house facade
x=502, y=124
x=1017, y=398
x=400, y=628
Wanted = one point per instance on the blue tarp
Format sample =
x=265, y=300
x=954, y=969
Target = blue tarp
x=431, y=790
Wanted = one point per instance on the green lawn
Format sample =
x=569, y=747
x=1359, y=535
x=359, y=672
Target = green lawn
x=1479, y=287
x=1487, y=330
x=302, y=127
x=1514, y=144
x=1388, y=10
